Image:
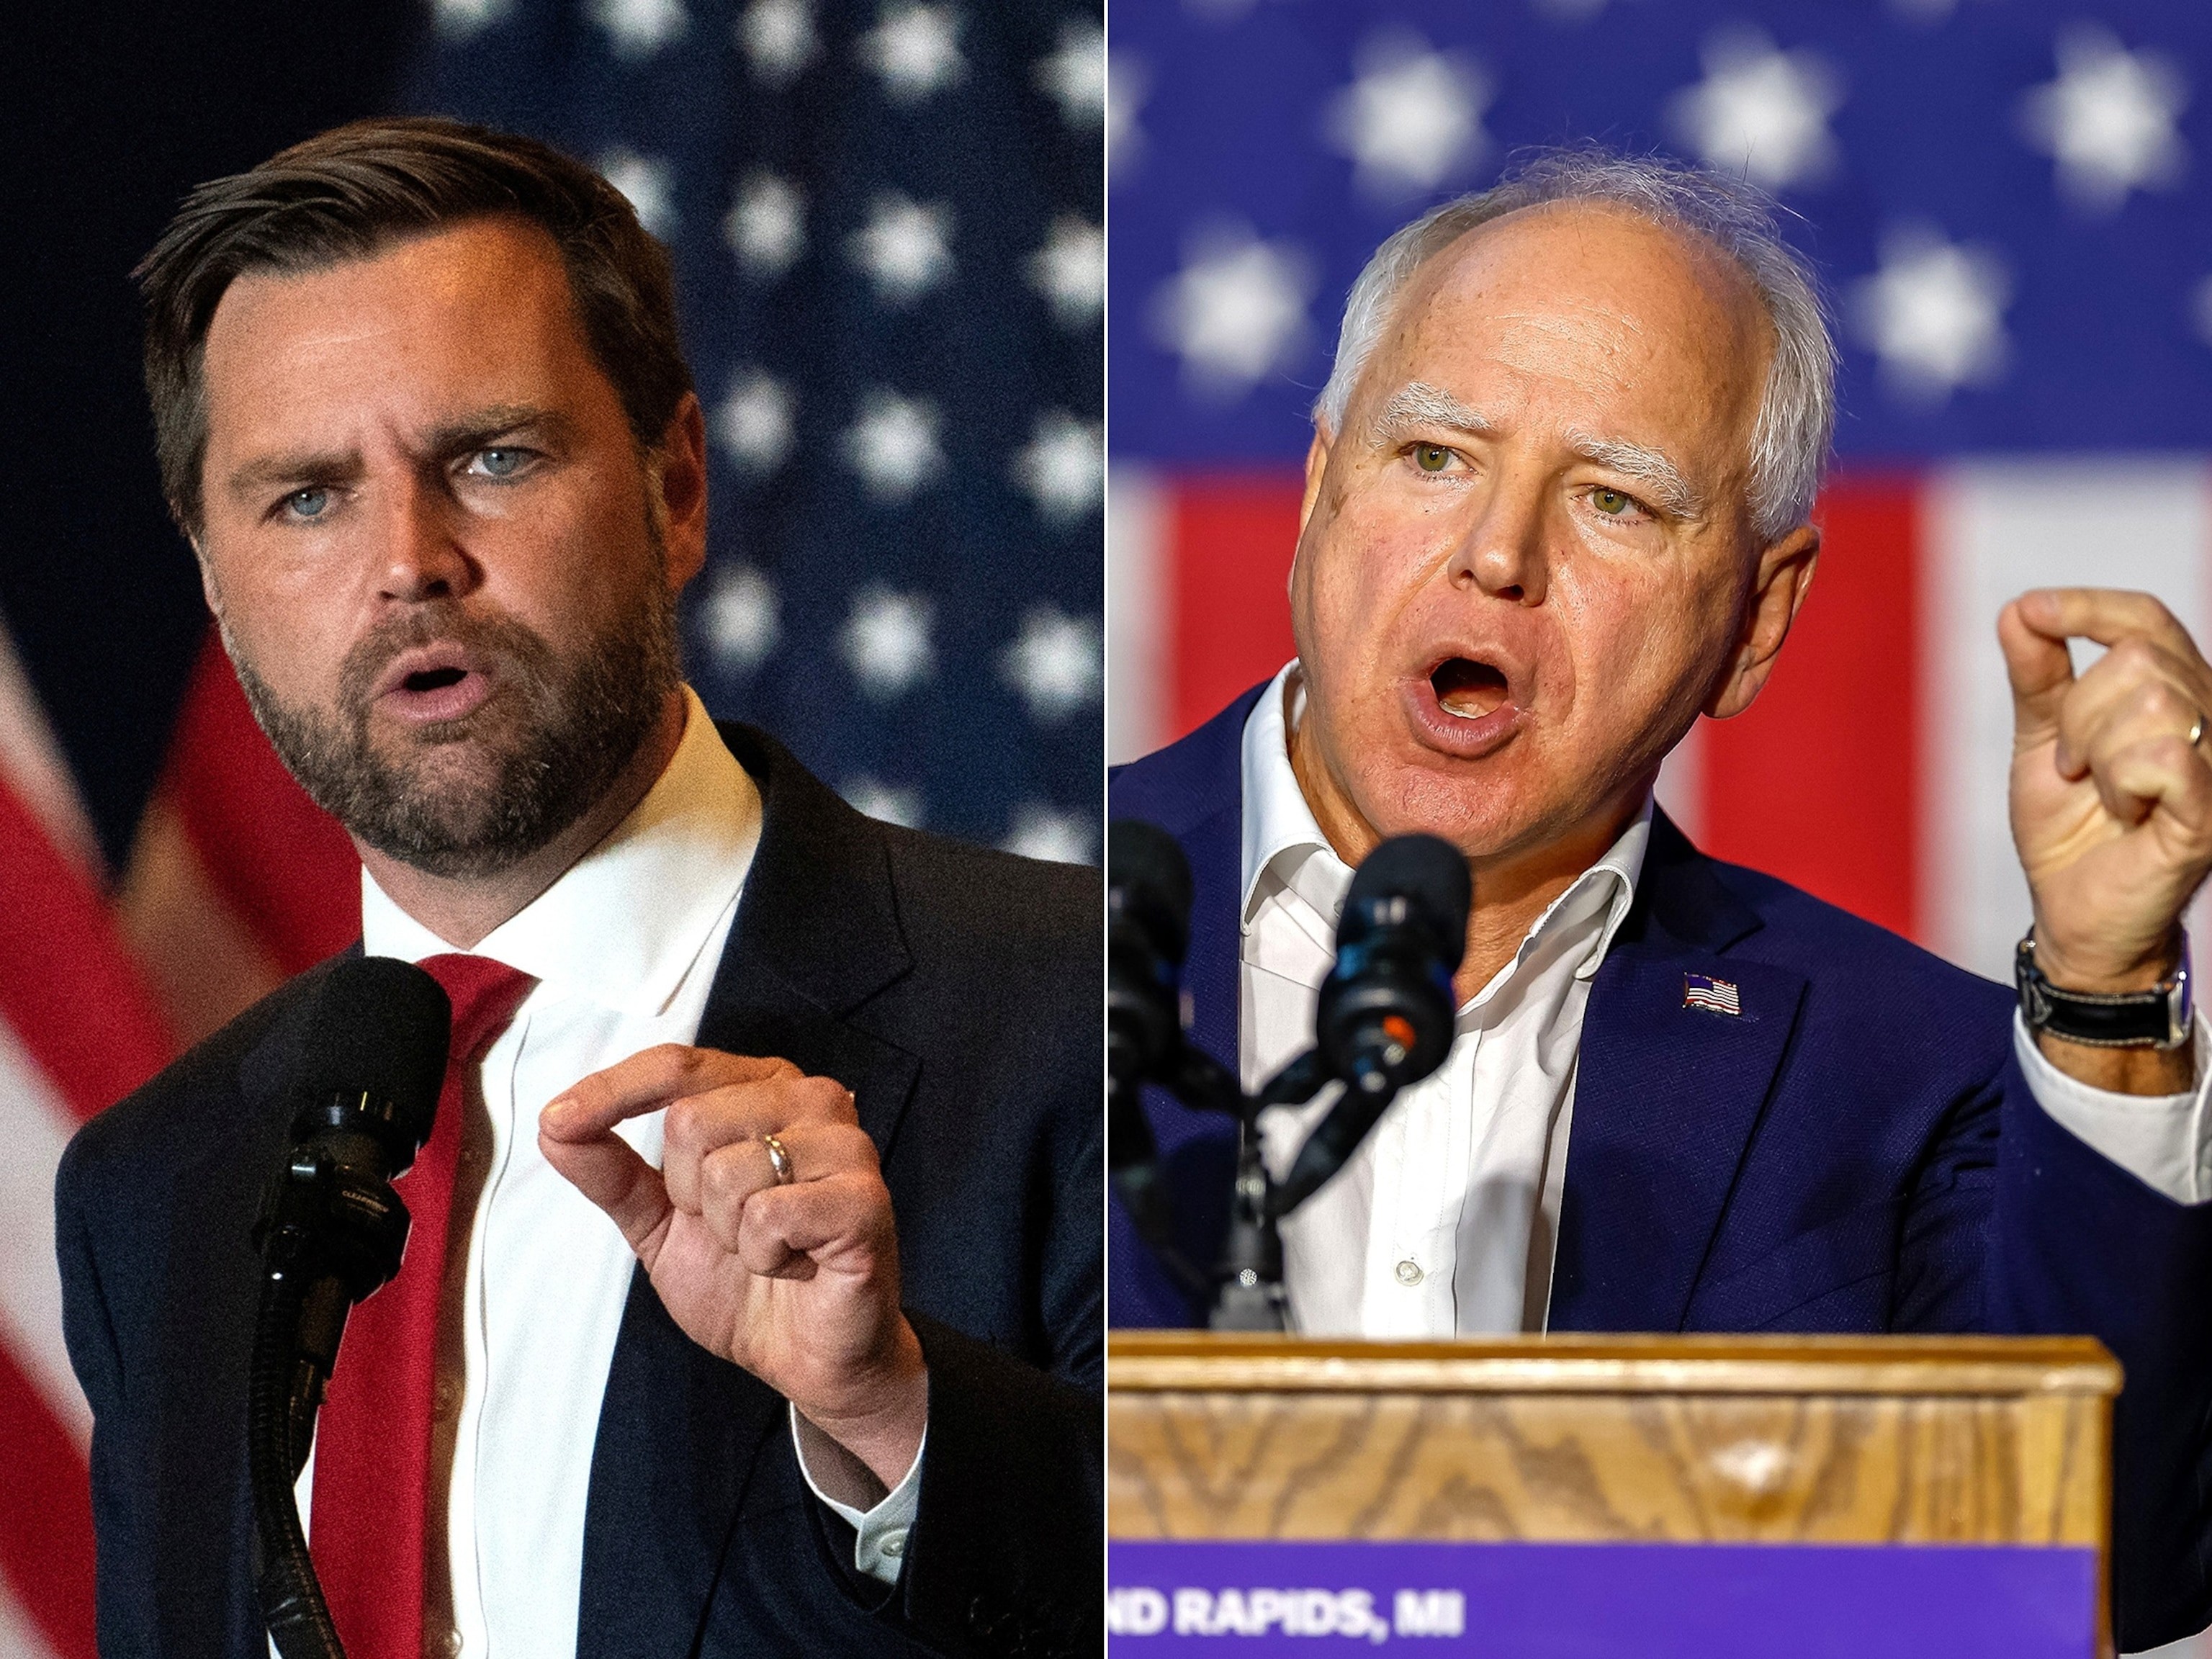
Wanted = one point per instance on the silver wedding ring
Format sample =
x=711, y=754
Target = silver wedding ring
x=779, y=1160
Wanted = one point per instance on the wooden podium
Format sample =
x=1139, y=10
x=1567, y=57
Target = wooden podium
x=1589, y=1495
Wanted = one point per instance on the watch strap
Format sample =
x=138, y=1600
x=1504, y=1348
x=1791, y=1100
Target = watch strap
x=2160, y=1018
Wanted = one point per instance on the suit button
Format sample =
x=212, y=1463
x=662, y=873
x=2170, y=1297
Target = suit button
x=447, y=1404
x=441, y=1644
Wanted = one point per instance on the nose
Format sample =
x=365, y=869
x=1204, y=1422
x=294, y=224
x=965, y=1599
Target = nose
x=420, y=557
x=1503, y=553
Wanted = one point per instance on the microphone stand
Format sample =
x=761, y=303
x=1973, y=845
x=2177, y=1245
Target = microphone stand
x=1249, y=1294
x=332, y=1230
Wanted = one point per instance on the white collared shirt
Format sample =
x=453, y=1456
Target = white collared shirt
x=1445, y=1219
x=624, y=947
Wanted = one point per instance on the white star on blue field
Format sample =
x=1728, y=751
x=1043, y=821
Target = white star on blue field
x=2002, y=196
x=887, y=218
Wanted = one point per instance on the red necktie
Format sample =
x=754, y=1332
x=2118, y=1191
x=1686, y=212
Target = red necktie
x=372, y=1438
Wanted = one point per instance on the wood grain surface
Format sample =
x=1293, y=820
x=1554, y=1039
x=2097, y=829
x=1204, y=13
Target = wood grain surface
x=1976, y=1440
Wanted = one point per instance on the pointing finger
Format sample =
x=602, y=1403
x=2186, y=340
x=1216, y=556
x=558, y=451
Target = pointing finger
x=2106, y=615
x=648, y=1081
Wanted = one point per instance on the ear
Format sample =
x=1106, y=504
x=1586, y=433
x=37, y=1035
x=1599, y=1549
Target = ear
x=207, y=573
x=1316, y=469
x=677, y=474
x=1784, y=578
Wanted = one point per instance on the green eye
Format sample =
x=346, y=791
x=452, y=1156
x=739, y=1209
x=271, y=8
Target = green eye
x=1431, y=458
x=1611, y=503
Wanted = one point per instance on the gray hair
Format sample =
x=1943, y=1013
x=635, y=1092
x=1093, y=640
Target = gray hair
x=1797, y=410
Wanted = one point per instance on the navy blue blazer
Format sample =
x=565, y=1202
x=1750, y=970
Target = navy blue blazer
x=1858, y=1152
x=956, y=992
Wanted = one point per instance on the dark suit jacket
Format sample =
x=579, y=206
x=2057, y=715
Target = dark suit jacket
x=1858, y=1152
x=956, y=992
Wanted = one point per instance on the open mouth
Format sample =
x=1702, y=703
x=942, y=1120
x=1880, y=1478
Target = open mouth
x=1468, y=690
x=435, y=679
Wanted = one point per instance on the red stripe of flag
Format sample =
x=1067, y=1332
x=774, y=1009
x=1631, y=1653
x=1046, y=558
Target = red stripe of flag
x=45, y=1519
x=1818, y=783
x=68, y=989
x=1229, y=542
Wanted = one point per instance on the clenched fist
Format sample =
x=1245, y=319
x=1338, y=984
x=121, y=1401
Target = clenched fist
x=2111, y=802
x=791, y=1273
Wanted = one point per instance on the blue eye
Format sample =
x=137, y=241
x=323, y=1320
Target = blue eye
x=498, y=463
x=309, y=503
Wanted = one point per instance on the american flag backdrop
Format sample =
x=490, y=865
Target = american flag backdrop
x=2006, y=200
x=886, y=220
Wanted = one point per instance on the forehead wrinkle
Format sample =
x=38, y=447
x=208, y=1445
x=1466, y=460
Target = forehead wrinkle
x=1419, y=404
x=1650, y=467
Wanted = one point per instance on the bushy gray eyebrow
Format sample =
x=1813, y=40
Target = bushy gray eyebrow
x=1651, y=469
x=1418, y=403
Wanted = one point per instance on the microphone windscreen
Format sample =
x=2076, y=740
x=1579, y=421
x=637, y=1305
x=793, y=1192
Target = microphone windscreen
x=1421, y=879
x=1148, y=880
x=380, y=1027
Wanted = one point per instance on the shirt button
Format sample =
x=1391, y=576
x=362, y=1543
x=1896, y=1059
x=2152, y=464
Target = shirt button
x=893, y=1544
x=1409, y=1271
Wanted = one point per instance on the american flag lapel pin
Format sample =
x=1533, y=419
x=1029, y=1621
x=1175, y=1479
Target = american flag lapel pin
x=1716, y=996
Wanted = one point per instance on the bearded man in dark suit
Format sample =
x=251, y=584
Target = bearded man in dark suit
x=753, y=1302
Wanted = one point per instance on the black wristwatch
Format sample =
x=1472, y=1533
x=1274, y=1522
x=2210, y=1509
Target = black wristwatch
x=2161, y=1018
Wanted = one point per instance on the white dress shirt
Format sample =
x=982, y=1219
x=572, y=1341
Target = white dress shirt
x=1445, y=1218
x=624, y=947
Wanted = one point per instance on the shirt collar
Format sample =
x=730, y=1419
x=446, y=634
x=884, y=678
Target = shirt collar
x=625, y=925
x=1284, y=845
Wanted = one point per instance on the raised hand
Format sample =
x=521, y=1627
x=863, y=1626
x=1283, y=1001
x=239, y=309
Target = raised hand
x=793, y=1277
x=2111, y=785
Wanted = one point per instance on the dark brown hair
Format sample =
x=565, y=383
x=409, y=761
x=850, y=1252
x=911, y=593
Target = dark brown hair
x=356, y=189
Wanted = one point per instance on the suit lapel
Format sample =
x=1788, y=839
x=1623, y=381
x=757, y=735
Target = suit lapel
x=1667, y=1096
x=680, y=1431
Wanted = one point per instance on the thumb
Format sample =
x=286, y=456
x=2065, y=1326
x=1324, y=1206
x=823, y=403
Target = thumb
x=607, y=1169
x=2038, y=664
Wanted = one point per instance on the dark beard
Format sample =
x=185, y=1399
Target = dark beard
x=553, y=738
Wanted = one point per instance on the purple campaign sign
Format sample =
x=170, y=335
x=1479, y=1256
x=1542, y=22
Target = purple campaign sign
x=1596, y=1601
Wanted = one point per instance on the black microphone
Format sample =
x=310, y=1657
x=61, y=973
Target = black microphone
x=331, y=1231
x=366, y=1093
x=1147, y=930
x=1387, y=1008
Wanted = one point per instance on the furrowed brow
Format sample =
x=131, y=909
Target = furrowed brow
x=1417, y=404
x=1659, y=477
x=257, y=477
x=487, y=426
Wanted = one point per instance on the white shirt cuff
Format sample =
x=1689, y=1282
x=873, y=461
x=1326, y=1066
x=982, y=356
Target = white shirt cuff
x=880, y=1534
x=2158, y=1139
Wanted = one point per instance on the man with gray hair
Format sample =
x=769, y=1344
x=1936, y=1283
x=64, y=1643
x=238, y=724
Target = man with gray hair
x=1556, y=507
